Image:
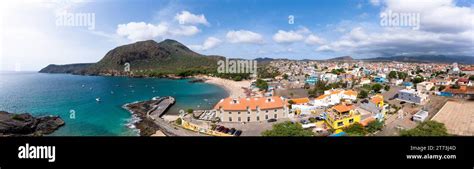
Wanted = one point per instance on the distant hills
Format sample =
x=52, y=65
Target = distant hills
x=171, y=57
x=70, y=68
x=166, y=57
x=427, y=59
x=342, y=58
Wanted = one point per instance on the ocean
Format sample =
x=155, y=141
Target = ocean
x=73, y=98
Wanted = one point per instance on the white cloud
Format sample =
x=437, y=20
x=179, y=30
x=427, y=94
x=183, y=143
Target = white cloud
x=441, y=16
x=244, y=36
x=209, y=43
x=444, y=29
x=291, y=36
x=324, y=48
x=398, y=41
x=314, y=40
x=137, y=31
x=186, y=17
x=375, y=2
x=287, y=37
x=185, y=30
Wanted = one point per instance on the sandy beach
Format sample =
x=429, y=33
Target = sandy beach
x=234, y=88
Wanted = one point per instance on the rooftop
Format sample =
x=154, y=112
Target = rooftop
x=243, y=104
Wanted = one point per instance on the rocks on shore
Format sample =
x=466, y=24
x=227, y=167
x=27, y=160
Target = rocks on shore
x=146, y=125
x=27, y=125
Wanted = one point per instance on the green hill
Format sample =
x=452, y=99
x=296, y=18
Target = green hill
x=149, y=58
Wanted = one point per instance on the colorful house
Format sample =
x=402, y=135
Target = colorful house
x=380, y=79
x=375, y=106
x=333, y=97
x=341, y=116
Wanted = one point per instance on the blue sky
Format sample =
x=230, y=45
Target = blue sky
x=32, y=39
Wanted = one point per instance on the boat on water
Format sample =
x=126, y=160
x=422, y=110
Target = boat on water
x=97, y=99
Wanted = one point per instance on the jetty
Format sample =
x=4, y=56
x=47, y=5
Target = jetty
x=160, y=107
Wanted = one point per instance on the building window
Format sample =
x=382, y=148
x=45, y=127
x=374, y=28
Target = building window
x=266, y=111
x=340, y=124
x=248, y=119
x=248, y=112
x=239, y=119
x=230, y=118
x=266, y=117
x=230, y=112
x=275, y=110
x=351, y=120
x=238, y=112
x=275, y=115
x=258, y=118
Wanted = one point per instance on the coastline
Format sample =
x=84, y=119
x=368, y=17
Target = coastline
x=233, y=88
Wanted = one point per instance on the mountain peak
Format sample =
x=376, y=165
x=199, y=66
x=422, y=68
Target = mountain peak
x=342, y=58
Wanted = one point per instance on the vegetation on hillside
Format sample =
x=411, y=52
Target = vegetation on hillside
x=287, y=129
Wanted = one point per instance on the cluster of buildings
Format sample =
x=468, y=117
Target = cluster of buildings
x=341, y=107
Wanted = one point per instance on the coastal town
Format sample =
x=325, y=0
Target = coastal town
x=336, y=98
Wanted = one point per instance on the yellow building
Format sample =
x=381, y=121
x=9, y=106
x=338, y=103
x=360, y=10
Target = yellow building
x=341, y=116
x=378, y=100
x=194, y=127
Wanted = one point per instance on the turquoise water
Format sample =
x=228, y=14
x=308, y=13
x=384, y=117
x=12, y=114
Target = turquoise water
x=61, y=94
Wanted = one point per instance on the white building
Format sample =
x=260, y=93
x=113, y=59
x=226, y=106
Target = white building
x=412, y=96
x=424, y=87
x=420, y=116
x=333, y=97
x=396, y=82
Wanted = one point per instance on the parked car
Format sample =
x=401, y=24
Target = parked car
x=304, y=121
x=319, y=118
x=271, y=120
x=238, y=133
x=232, y=131
x=220, y=128
x=225, y=130
x=402, y=102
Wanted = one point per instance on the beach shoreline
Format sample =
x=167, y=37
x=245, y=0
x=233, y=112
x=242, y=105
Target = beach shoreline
x=233, y=88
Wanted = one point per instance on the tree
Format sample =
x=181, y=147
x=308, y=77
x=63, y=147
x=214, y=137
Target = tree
x=285, y=76
x=392, y=75
x=179, y=121
x=441, y=88
x=362, y=94
x=261, y=84
x=402, y=75
x=427, y=128
x=377, y=87
x=471, y=78
x=355, y=129
x=387, y=87
x=374, y=126
x=287, y=129
x=417, y=80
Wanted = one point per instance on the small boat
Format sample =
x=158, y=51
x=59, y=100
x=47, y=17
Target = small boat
x=111, y=92
x=83, y=86
x=90, y=88
x=97, y=99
